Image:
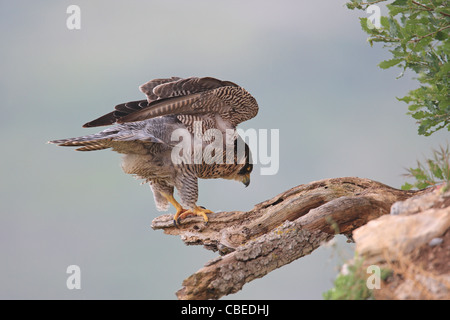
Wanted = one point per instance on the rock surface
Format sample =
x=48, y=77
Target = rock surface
x=414, y=242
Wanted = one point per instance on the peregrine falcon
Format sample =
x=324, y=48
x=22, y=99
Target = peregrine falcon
x=144, y=132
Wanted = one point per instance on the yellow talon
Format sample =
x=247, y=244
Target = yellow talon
x=180, y=209
x=198, y=211
x=183, y=213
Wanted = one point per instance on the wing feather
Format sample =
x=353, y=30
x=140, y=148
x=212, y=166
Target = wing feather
x=177, y=96
x=147, y=88
x=176, y=105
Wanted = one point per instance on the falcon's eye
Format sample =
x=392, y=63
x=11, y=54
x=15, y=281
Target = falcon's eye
x=246, y=169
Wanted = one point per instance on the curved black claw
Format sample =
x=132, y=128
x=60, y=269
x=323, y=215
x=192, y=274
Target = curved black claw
x=177, y=222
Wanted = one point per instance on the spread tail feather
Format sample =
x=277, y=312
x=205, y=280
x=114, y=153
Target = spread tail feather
x=109, y=138
x=87, y=143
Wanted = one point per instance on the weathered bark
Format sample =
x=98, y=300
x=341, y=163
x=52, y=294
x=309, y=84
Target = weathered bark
x=277, y=231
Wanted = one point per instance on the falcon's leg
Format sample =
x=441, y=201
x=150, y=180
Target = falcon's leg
x=198, y=211
x=177, y=206
x=187, y=186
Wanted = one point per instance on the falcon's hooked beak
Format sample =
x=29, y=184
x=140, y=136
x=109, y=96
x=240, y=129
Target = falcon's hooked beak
x=246, y=180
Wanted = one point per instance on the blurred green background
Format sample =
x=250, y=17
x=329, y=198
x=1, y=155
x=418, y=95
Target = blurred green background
x=306, y=62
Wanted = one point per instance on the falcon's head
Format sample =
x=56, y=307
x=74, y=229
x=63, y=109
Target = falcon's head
x=244, y=174
x=243, y=169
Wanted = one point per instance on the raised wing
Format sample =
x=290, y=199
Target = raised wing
x=129, y=107
x=191, y=96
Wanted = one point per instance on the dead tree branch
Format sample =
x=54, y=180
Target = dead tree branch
x=277, y=231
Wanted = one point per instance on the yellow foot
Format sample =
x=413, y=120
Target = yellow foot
x=196, y=211
x=178, y=216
